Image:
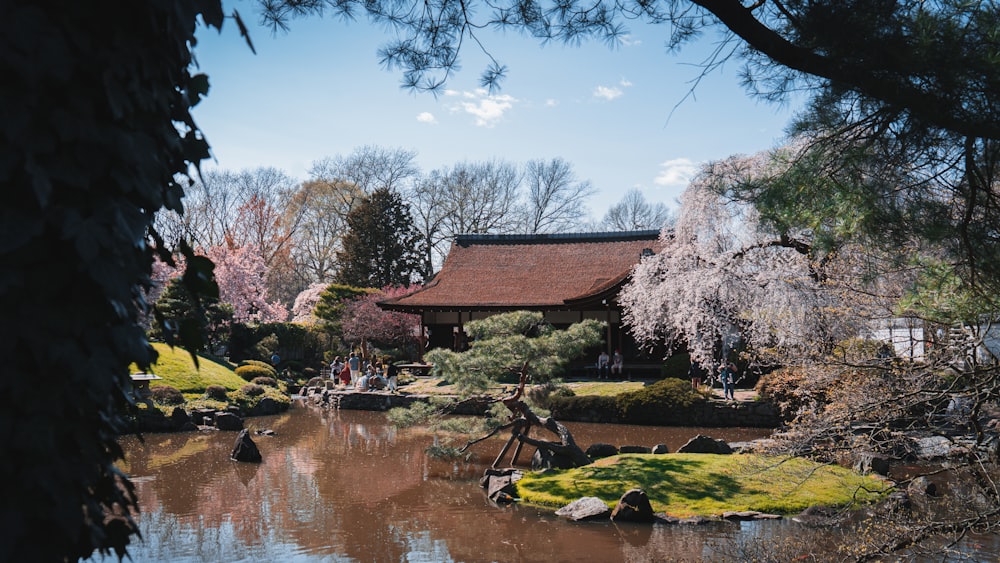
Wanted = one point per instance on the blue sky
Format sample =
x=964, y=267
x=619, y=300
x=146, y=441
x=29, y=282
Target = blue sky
x=320, y=91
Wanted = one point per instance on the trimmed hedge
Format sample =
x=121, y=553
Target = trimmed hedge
x=249, y=372
x=265, y=381
x=665, y=402
x=216, y=392
x=166, y=395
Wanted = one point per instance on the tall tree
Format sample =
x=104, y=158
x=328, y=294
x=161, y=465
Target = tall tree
x=381, y=247
x=365, y=323
x=242, y=275
x=554, y=200
x=634, y=213
x=323, y=206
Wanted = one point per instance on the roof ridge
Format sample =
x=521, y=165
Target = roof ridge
x=556, y=238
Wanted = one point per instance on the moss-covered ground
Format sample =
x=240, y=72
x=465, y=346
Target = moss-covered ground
x=685, y=485
x=177, y=369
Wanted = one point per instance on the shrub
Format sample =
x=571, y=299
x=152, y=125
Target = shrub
x=651, y=404
x=166, y=395
x=265, y=381
x=540, y=394
x=250, y=372
x=585, y=407
x=252, y=390
x=262, y=365
x=216, y=392
x=250, y=395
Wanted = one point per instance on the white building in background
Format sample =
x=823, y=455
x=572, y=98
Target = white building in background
x=912, y=339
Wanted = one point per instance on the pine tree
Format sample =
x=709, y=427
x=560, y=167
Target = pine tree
x=381, y=247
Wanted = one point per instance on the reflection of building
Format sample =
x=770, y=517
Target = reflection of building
x=568, y=277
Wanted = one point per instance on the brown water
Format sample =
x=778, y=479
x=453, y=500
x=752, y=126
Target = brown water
x=346, y=486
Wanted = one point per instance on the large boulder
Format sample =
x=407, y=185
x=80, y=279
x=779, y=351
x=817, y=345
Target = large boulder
x=179, y=417
x=267, y=406
x=546, y=459
x=228, y=421
x=634, y=450
x=500, y=484
x=599, y=450
x=660, y=449
x=245, y=449
x=702, y=444
x=585, y=508
x=633, y=507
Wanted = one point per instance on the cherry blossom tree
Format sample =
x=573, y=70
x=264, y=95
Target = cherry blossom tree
x=303, y=311
x=241, y=274
x=364, y=322
x=725, y=279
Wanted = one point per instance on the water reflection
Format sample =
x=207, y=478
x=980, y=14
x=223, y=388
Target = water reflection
x=345, y=486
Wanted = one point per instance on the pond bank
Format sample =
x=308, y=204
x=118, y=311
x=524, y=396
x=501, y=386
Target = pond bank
x=709, y=413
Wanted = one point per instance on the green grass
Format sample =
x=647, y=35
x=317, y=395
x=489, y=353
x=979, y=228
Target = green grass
x=177, y=369
x=685, y=485
x=605, y=388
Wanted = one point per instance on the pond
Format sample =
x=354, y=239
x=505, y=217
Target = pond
x=347, y=486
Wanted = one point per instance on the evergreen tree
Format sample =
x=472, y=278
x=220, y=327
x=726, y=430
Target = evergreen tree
x=381, y=247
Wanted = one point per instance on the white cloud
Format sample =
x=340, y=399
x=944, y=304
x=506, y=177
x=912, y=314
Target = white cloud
x=676, y=172
x=611, y=92
x=551, y=103
x=630, y=40
x=426, y=117
x=607, y=93
x=486, y=108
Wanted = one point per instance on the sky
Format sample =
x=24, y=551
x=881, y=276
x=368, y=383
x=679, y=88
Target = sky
x=623, y=117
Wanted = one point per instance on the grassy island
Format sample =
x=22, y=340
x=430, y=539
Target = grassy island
x=685, y=485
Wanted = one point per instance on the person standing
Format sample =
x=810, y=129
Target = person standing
x=355, y=364
x=697, y=374
x=392, y=374
x=727, y=374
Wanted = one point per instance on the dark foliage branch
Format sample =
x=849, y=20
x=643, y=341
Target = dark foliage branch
x=97, y=137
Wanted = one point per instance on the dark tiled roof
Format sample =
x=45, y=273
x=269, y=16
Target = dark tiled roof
x=501, y=272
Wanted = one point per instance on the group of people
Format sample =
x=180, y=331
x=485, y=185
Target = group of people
x=363, y=375
x=609, y=364
x=726, y=371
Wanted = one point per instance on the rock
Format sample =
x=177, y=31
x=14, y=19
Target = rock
x=586, y=508
x=634, y=450
x=820, y=516
x=633, y=507
x=264, y=432
x=660, y=449
x=245, y=449
x=546, y=459
x=702, y=444
x=228, y=421
x=868, y=462
x=931, y=447
x=188, y=427
x=179, y=417
x=500, y=484
x=921, y=487
x=266, y=406
x=202, y=417
x=749, y=515
x=599, y=450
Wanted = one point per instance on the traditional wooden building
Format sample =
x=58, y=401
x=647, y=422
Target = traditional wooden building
x=568, y=277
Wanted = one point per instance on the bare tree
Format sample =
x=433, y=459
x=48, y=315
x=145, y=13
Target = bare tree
x=323, y=207
x=634, y=213
x=369, y=168
x=555, y=201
